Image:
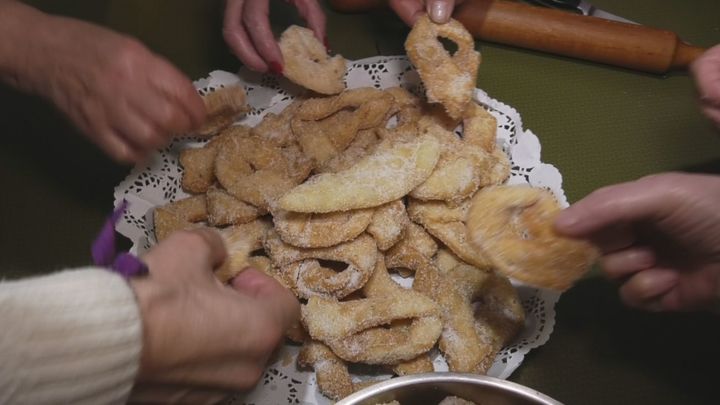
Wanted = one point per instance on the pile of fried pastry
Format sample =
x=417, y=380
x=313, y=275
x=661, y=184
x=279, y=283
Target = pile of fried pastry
x=346, y=186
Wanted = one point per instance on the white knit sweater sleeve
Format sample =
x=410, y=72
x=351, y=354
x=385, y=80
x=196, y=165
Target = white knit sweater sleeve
x=70, y=337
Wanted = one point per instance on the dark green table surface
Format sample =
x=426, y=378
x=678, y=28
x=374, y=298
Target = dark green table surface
x=599, y=125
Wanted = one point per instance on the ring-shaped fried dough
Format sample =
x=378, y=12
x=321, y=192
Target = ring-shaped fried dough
x=224, y=106
x=414, y=248
x=302, y=272
x=256, y=171
x=332, y=373
x=185, y=213
x=308, y=64
x=449, y=80
x=388, y=224
x=275, y=128
x=321, y=230
x=383, y=176
x=364, y=143
x=400, y=342
x=513, y=227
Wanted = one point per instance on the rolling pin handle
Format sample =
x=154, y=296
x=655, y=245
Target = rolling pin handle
x=685, y=55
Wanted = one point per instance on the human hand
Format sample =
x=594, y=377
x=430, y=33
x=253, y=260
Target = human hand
x=706, y=71
x=199, y=332
x=247, y=31
x=439, y=11
x=659, y=235
x=123, y=97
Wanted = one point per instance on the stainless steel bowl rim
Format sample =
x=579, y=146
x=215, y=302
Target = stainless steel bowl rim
x=430, y=378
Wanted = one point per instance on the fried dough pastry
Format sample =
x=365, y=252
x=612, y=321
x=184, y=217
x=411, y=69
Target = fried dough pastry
x=447, y=223
x=225, y=209
x=240, y=241
x=181, y=214
x=386, y=175
x=275, y=128
x=364, y=143
x=332, y=373
x=256, y=171
x=305, y=275
x=459, y=170
x=198, y=166
x=388, y=224
x=321, y=230
x=224, y=106
x=328, y=320
x=401, y=341
x=416, y=247
x=499, y=317
x=513, y=227
x=449, y=80
x=308, y=64
x=325, y=127
x=455, y=401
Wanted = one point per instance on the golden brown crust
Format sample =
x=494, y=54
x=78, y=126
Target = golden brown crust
x=224, y=106
x=308, y=64
x=181, y=214
x=513, y=226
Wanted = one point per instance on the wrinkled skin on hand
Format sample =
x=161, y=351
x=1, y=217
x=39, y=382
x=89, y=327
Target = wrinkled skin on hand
x=706, y=71
x=123, y=97
x=247, y=31
x=200, y=332
x=660, y=236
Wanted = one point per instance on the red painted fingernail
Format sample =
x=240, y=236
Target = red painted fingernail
x=327, y=46
x=276, y=68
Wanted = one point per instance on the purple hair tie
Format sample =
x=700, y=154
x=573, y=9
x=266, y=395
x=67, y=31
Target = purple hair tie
x=104, y=250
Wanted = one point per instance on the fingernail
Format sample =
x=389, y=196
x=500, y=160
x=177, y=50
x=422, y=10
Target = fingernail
x=327, y=46
x=565, y=221
x=439, y=12
x=276, y=68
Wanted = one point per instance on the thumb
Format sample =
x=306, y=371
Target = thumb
x=648, y=199
x=440, y=10
x=266, y=289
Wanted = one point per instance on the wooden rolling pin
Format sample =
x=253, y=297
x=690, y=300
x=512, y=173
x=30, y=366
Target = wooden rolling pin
x=563, y=33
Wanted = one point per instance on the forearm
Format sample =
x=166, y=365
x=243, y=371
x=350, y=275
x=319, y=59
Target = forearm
x=70, y=337
x=22, y=33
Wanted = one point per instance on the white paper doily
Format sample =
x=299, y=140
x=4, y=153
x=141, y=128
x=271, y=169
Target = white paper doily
x=158, y=182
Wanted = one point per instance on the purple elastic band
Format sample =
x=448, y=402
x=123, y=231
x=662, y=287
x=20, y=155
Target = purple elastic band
x=104, y=250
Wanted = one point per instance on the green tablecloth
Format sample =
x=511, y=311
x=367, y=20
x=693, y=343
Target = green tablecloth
x=599, y=125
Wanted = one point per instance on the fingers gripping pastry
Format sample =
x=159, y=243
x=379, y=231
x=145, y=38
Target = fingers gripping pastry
x=181, y=214
x=513, y=226
x=386, y=175
x=240, y=241
x=449, y=80
x=308, y=64
x=388, y=224
x=224, y=106
x=306, y=276
x=225, y=209
x=332, y=373
x=321, y=230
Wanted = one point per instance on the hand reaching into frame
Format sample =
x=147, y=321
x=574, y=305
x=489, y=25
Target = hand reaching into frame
x=439, y=11
x=660, y=236
x=199, y=332
x=706, y=71
x=126, y=99
x=247, y=31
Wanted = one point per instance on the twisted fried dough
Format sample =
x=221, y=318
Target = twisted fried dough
x=224, y=106
x=181, y=214
x=308, y=64
x=332, y=373
x=388, y=224
x=449, y=80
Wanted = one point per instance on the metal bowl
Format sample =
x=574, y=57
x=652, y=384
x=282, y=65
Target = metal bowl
x=431, y=388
